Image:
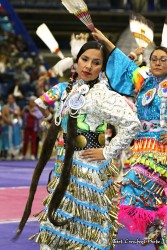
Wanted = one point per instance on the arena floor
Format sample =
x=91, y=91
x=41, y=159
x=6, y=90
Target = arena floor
x=15, y=179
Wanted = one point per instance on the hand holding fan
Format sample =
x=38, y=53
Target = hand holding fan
x=164, y=34
x=46, y=36
x=80, y=10
x=142, y=30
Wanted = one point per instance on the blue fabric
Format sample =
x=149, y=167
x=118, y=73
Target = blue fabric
x=16, y=135
x=152, y=110
x=136, y=193
x=121, y=83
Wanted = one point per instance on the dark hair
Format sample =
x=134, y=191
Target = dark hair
x=45, y=155
x=64, y=180
x=158, y=48
x=94, y=45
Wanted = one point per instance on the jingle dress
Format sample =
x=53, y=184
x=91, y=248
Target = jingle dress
x=88, y=196
x=143, y=194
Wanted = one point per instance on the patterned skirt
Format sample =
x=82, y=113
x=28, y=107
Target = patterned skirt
x=88, y=203
x=143, y=201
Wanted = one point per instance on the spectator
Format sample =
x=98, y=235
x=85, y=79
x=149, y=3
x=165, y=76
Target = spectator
x=31, y=119
x=11, y=128
x=18, y=93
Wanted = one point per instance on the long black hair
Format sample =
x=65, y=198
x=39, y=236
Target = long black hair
x=47, y=148
x=45, y=155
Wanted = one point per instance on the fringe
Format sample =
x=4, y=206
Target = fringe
x=155, y=161
x=138, y=219
x=80, y=237
x=149, y=145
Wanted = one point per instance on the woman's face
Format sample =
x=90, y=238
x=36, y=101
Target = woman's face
x=90, y=64
x=11, y=99
x=158, y=63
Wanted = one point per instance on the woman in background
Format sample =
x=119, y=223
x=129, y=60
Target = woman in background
x=143, y=206
x=11, y=128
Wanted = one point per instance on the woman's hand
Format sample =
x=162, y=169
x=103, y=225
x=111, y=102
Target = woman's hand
x=139, y=51
x=99, y=36
x=163, y=138
x=93, y=154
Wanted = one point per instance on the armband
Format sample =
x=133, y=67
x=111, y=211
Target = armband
x=132, y=55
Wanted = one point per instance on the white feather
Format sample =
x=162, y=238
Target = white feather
x=142, y=30
x=164, y=35
x=62, y=65
x=79, y=9
x=47, y=37
x=73, y=6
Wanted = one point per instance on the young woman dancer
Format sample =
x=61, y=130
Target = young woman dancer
x=79, y=213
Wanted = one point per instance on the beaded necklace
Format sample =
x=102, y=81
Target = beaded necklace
x=75, y=100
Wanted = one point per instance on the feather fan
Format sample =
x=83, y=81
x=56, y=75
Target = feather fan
x=164, y=34
x=47, y=37
x=142, y=30
x=80, y=10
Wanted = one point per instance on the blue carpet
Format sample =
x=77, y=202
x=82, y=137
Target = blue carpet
x=8, y=230
x=19, y=173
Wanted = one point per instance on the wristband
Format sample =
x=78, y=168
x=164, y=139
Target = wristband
x=132, y=55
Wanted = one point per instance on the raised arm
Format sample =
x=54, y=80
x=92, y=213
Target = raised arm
x=99, y=36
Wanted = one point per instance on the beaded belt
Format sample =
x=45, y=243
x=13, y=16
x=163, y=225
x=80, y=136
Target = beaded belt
x=86, y=140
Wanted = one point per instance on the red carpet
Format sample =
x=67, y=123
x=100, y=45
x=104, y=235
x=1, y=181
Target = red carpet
x=14, y=200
